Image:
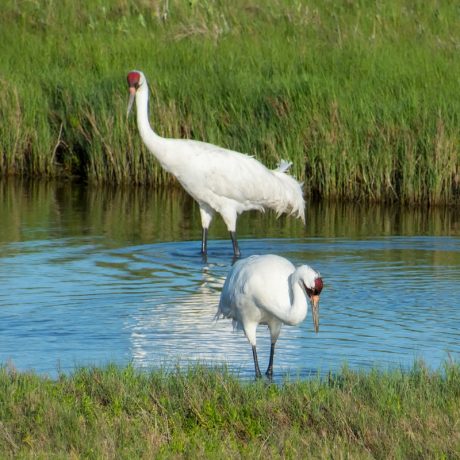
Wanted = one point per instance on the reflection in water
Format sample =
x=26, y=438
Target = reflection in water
x=144, y=215
x=173, y=327
x=95, y=275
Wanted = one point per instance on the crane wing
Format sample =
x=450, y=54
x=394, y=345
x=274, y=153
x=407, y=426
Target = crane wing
x=221, y=174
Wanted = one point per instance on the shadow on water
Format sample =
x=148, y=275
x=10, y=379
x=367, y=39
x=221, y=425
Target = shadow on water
x=91, y=275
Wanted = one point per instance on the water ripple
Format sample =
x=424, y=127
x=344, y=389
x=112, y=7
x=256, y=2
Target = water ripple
x=75, y=301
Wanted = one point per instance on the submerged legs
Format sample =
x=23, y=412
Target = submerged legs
x=269, y=372
x=236, y=249
x=256, y=363
x=206, y=214
x=204, y=241
x=229, y=216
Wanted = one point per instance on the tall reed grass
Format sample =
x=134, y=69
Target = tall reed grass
x=200, y=412
x=361, y=96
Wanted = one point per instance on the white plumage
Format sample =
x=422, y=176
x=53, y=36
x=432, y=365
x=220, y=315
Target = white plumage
x=269, y=290
x=220, y=180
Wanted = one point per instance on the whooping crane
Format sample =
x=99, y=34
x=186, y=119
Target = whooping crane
x=220, y=180
x=269, y=289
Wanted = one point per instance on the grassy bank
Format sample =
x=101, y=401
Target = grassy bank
x=362, y=96
x=208, y=413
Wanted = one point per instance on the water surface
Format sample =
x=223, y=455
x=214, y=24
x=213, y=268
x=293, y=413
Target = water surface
x=91, y=276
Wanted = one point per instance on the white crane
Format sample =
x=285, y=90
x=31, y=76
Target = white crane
x=220, y=180
x=269, y=290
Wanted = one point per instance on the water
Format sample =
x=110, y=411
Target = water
x=91, y=276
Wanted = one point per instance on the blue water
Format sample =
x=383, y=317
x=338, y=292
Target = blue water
x=73, y=294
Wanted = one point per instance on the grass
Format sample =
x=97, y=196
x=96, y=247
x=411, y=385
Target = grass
x=361, y=96
x=201, y=412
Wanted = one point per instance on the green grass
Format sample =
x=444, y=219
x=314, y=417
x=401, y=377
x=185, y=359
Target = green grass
x=362, y=96
x=200, y=412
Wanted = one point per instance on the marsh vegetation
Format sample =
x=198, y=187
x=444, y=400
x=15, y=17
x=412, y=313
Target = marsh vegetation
x=202, y=412
x=361, y=96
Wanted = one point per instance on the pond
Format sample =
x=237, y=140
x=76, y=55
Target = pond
x=90, y=276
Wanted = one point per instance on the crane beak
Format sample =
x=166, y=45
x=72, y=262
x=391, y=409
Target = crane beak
x=132, y=95
x=315, y=311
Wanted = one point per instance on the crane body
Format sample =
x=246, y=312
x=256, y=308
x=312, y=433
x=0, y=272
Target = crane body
x=269, y=289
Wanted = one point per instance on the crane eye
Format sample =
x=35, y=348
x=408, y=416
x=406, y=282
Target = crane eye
x=317, y=289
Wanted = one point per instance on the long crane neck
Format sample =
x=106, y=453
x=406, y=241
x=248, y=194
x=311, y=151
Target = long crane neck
x=299, y=305
x=295, y=309
x=154, y=142
x=142, y=111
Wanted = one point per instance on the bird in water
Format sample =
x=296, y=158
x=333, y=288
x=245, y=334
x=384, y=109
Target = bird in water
x=269, y=289
x=220, y=180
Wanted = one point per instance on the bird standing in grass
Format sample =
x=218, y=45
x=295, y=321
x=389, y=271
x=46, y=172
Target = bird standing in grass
x=269, y=290
x=220, y=180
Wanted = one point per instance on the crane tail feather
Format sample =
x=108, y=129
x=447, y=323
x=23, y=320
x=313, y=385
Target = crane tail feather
x=283, y=166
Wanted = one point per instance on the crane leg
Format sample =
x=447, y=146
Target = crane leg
x=256, y=362
x=236, y=249
x=204, y=241
x=269, y=372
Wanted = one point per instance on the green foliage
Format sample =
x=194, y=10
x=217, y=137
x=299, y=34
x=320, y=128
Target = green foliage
x=361, y=96
x=202, y=412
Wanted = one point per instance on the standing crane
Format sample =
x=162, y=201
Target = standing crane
x=269, y=289
x=220, y=180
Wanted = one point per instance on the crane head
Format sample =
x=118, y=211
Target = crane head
x=135, y=80
x=313, y=293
